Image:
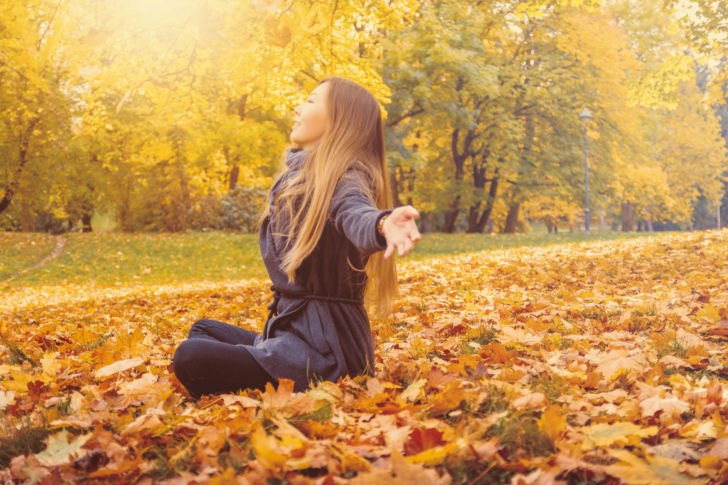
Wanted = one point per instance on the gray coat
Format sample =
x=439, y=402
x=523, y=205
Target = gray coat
x=321, y=330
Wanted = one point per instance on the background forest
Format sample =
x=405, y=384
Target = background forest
x=153, y=115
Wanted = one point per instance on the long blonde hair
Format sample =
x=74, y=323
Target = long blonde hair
x=354, y=139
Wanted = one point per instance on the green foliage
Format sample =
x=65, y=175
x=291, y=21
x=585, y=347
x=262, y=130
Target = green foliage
x=121, y=108
x=236, y=210
x=240, y=208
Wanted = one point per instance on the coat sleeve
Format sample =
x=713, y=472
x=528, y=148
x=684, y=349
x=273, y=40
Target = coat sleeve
x=355, y=216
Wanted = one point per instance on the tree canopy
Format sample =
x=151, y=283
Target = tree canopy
x=154, y=112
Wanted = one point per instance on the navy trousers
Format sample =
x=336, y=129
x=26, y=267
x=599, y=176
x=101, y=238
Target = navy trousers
x=213, y=360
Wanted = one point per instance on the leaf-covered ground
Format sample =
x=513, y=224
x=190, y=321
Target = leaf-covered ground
x=595, y=363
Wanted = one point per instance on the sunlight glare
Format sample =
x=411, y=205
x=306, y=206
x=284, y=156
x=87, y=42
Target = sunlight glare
x=156, y=14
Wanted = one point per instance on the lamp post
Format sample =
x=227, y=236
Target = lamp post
x=585, y=117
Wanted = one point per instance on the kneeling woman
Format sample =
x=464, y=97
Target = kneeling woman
x=327, y=237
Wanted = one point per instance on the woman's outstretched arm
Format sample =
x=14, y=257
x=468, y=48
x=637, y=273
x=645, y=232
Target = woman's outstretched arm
x=356, y=217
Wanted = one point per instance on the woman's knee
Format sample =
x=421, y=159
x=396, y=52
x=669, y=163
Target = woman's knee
x=200, y=326
x=202, y=323
x=183, y=358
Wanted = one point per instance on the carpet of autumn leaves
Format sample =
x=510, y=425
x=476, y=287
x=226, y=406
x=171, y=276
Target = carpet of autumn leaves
x=594, y=363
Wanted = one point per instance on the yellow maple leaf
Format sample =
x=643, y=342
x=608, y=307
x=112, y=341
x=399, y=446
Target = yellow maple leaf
x=20, y=380
x=413, y=391
x=50, y=364
x=552, y=422
x=59, y=450
x=603, y=434
x=435, y=455
x=653, y=470
x=669, y=405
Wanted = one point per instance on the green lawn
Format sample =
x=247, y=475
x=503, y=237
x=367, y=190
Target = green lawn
x=113, y=258
x=19, y=250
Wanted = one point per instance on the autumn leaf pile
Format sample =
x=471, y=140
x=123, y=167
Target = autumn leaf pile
x=601, y=362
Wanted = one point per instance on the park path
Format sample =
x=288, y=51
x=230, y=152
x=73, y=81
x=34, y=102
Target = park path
x=60, y=244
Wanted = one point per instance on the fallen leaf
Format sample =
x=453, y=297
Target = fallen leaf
x=422, y=439
x=669, y=405
x=604, y=434
x=60, y=451
x=654, y=470
x=119, y=366
x=552, y=422
x=6, y=398
x=401, y=472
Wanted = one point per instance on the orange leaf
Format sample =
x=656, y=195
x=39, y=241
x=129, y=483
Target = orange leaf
x=422, y=439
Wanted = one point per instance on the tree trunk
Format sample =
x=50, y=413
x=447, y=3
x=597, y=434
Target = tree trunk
x=512, y=218
x=477, y=221
x=184, y=202
x=394, y=186
x=425, y=221
x=458, y=157
x=451, y=216
x=473, y=214
x=492, y=192
x=627, y=217
x=86, y=222
x=27, y=218
x=124, y=214
x=22, y=160
x=233, y=180
x=234, y=170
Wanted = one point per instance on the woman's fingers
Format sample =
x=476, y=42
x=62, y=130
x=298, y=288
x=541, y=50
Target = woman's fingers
x=408, y=234
x=407, y=212
x=405, y=247
x=389, y=251
x=412, y=212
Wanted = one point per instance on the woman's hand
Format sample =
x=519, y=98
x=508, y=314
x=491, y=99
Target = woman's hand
x=400, y=230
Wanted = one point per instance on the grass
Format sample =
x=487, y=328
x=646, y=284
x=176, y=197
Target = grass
x=521, y=431
x=19, y=250
x=28, y=439
x=115, y=258
x=124, y=258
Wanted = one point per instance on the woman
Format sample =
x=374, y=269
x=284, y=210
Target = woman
x=321, y=237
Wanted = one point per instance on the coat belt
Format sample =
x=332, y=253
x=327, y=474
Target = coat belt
x=278, y=292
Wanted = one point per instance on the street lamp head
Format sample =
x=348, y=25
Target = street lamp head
x=585, y=115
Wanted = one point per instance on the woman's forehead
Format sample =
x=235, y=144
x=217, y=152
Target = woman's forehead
x=320, y=89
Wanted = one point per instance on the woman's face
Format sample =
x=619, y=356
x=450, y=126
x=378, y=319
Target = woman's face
x=311, y=118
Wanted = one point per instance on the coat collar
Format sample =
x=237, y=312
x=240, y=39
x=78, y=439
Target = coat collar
x=294, y=155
